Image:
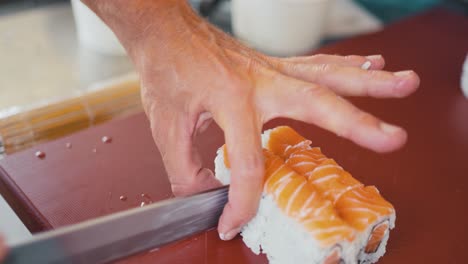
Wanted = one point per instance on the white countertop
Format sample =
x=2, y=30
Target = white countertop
x=11, y=226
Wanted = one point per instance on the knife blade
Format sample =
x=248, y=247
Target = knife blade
x=123, y=234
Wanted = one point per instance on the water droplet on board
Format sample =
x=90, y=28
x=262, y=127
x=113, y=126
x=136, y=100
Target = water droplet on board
x=143, y=204
x=106, y=139
x=40, y=154
x=68, y=145
x=123, y=198
x=147, y=197
x=94, y=150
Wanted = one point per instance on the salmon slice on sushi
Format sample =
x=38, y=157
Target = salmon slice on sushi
x=360, y=206
x=294, y=223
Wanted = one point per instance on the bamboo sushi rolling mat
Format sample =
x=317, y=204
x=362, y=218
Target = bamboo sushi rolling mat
x=116, y=98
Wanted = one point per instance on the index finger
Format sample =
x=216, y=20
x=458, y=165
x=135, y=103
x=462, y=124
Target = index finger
x=242, y=131
x=318, y=105
x=174, y=136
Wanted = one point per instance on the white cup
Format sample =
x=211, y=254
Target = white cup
x=280, y=27
x=464, y=79
x=93, y=33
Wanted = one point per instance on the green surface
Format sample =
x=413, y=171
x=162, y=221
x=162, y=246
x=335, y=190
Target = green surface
x=391, y=10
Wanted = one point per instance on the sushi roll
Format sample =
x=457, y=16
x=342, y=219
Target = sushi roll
x=294, y=223
x=362, y=207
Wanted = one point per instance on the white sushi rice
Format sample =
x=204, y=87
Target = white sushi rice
x=222, y=173
x=279, y=237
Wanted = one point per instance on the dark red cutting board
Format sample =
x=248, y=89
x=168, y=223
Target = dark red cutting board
x=427, y=181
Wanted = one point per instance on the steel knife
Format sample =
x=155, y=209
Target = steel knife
x=125, y=233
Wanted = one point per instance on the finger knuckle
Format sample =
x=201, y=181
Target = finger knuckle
x=325, y=68
x=251, y=165
x=346, y=128
x=353, y=58
x=273, y=62
x=287, y=67
x=251, y=65
x=365, y=118
x=315, y=92
x=181, y=189
x=236, y=89
x=371, y=75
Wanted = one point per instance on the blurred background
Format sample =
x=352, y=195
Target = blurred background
x=63, y=70
x=387, y=10
x=41, y=57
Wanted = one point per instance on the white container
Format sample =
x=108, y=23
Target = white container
x=280, y=27
x=464, y=79
x=93, y=33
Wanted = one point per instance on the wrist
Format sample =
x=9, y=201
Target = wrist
x=136, y=22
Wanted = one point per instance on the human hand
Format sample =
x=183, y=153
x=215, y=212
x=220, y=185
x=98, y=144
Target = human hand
x=191, y=73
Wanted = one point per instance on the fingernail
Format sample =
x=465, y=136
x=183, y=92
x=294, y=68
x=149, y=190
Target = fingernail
x=389, y=129
x=222, y=236
x=366, y=65
x=229, y=235
x=403, y=73
x=374, y=57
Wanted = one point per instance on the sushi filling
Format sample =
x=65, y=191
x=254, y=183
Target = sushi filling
x=334, y=257
x=376, y=237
